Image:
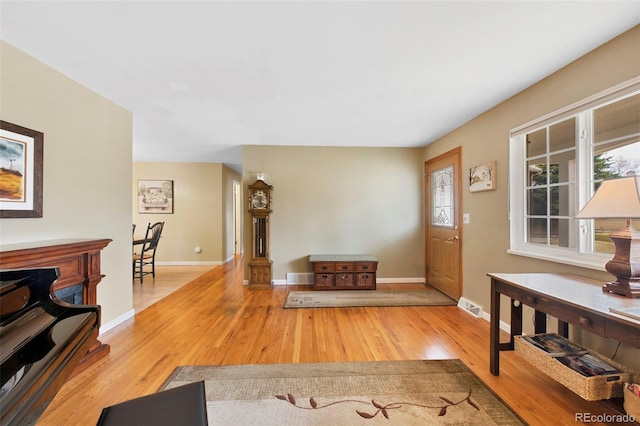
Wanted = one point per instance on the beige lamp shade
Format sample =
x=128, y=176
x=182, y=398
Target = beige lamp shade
x=615, y=199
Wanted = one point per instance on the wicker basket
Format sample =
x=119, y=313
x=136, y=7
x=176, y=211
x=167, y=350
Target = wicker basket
x=592, y=388
x=631, y=403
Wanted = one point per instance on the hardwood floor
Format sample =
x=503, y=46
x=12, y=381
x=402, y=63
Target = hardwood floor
x=167, y=280
x=215, y=320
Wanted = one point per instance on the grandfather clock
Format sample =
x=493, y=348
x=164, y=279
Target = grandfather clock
x=260, y=208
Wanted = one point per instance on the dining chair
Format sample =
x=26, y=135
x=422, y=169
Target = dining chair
x=147, y=255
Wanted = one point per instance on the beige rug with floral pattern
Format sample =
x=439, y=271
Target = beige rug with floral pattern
x=346, y=393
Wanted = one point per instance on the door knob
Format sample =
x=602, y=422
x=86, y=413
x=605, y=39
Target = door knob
x=454, y=238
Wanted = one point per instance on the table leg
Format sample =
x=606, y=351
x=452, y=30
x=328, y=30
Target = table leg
x=563, y=328
x=540, y=322
x=494, y=337
x=516, y=321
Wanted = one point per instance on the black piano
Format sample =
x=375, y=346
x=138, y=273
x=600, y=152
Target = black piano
x=42, y=339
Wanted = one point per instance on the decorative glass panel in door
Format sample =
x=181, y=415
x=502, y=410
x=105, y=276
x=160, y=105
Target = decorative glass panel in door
x=442, y=202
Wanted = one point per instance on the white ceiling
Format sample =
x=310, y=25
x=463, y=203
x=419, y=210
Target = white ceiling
x=203, y=78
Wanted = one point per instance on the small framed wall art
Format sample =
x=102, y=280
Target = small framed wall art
x=155, y=196
x=20, y=171
x=483, y=177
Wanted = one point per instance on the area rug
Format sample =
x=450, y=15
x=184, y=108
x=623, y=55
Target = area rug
x=358, y=298
x=346, y=393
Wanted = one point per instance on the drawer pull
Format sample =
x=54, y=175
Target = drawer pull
x=325, y=276
x=584, y=321
x=364, y=268
x=531, y=300
x=324, y=268
x=344, y=267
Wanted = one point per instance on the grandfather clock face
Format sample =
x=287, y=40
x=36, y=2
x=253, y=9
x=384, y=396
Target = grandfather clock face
x=259, y=200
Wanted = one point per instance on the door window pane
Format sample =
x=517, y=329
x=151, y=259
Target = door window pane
x=442, y=197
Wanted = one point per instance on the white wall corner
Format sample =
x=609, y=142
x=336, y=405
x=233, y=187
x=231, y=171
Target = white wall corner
x=117, y=321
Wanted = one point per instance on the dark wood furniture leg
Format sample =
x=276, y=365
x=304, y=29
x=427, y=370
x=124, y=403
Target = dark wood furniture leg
x=563, y=328
x=516, y=323
x=494, y=339
x=540, y=324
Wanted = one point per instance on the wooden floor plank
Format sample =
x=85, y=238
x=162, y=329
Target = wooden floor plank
x=215, y=320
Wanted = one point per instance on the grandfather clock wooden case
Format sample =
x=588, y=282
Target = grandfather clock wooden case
x=260, y=208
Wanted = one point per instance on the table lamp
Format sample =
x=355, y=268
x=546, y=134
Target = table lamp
x=619, y=199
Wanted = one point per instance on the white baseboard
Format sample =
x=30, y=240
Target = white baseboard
x=464, y=303
x=117, y=321
x=298, y=278
x=469, y=307
x=407, y=280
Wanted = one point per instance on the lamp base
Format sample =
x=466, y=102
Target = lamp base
x=625, y=265
x=622, y=289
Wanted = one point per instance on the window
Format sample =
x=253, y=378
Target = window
x=556, y=164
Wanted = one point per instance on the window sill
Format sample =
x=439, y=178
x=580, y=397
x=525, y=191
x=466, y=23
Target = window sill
x=567, y=257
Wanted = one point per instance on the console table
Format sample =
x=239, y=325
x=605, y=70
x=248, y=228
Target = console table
x=78, y=261
x=569, y=298
x=344, y=272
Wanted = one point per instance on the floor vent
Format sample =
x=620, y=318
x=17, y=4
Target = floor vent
x=470, y=307
x=294, y=278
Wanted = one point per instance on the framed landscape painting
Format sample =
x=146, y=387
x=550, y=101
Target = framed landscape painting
x=20, y=171
x=483, y=177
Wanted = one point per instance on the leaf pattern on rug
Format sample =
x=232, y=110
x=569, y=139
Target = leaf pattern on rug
x=379, y=408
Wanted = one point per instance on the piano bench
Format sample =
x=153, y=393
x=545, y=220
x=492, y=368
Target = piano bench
x=183, y=405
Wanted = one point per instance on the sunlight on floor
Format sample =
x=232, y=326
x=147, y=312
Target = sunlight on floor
x=167, y=280
x=435, y=351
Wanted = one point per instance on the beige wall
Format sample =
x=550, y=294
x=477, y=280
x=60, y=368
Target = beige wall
x=486, y=237
x=87, y=167
x=341, y=200
x=203, y=211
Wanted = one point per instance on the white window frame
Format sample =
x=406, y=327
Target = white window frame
x=581, y=256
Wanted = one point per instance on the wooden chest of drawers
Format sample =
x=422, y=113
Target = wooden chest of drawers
x=344, y=272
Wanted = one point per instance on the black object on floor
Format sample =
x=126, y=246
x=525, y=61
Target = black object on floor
x=184, y=405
